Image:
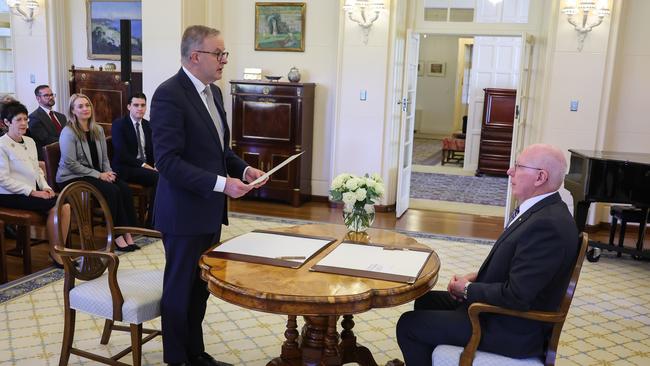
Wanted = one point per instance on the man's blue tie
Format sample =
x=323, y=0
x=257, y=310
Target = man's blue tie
x=514, y=214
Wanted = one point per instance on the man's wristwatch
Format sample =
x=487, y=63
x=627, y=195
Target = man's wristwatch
x=465, y=290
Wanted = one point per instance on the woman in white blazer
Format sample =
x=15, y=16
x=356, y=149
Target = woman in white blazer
x=22, y=182
x=84, y=157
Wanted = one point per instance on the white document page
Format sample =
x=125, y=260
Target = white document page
x=275, y=246
x=268, y=174
x=376, y=259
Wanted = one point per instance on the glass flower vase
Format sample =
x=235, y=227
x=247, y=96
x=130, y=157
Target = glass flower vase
x=358, y=218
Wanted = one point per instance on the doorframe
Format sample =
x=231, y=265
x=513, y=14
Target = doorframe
x=460, y=74
x=516, y=145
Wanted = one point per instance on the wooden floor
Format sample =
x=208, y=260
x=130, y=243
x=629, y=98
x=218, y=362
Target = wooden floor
x=445, y=223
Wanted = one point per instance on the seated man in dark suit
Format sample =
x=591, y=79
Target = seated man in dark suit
x=527, y=269
x=45, y=124
x=133, y=158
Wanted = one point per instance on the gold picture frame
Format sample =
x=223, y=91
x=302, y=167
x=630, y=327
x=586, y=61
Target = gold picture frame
x=103, y=28
x=280, y=27
x=436, y=68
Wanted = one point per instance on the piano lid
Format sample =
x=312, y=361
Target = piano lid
x=614, y=156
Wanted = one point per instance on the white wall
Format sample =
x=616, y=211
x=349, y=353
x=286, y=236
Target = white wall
x=360, y=126
x=628, y=129
x=435, y=95
x=318, y=64
x=161, y=39
x=30, y=54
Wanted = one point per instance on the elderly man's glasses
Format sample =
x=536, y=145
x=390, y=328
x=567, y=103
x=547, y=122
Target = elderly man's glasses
x=221, y=56
x=517, y=166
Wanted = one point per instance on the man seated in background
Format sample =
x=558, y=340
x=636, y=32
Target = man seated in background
x=45, y=124
x=527, y=269
x=133, y=158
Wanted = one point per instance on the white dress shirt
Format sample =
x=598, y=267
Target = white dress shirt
x=524, y=206
x=141, y=134
x=220, y=185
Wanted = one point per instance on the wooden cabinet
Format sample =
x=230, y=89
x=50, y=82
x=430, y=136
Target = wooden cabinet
x=270, y=122
x=496, y=131
x=106, y=90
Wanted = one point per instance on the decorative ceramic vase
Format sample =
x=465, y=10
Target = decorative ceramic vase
x=359, y=219
x=294, y=75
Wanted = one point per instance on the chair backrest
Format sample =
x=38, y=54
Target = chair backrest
x=109, y=147
x=52, y=156
x=551, y=349
x=83, y=198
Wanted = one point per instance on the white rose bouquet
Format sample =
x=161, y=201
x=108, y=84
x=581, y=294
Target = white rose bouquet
x=359, y=194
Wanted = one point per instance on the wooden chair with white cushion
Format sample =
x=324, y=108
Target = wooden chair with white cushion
x=446, y=355
x=128, y=296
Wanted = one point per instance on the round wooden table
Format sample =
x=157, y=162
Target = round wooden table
x=321, y=298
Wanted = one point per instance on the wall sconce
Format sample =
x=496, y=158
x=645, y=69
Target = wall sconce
x=364, y=12
x=26, y=9
x=591, y=14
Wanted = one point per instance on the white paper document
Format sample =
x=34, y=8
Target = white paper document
x=358, y=259
x=278, y=246
x=268, y=174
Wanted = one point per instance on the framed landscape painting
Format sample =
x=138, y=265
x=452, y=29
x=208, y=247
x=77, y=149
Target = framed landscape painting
x=103, y=28
x=280, y=27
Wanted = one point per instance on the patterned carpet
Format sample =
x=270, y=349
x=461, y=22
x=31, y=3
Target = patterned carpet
x=427, y=151
x=457, y=188
x=609, y=321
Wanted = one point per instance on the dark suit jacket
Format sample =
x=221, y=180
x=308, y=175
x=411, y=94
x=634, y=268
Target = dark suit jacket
x=527, y=269
x=42, y=130
x=125, y=144
x=189, y=157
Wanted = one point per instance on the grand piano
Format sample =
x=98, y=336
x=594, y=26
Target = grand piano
x=602, y=176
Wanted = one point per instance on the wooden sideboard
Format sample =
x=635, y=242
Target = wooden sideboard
x=270, y=122
x=496, y=131
x=106, y=91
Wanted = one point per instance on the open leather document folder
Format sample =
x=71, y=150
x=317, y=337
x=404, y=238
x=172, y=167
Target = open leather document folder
x=273, y=248
x=374, y=261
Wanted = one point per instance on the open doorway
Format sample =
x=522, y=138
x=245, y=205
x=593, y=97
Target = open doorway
x=455, y=70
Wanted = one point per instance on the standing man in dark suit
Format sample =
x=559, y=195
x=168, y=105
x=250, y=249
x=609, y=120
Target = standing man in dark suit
x=527, y=268
x=197, y=171
x=45, y=124
x=133, y=159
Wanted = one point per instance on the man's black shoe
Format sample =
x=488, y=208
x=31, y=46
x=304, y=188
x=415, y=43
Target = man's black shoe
x=204, y=359
x=178, y=364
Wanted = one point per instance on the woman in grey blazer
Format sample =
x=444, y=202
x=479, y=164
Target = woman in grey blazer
x=84, y=157
x=22, y=182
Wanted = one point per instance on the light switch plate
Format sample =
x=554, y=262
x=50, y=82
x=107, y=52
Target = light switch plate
x=574, y=106
x=363, y=95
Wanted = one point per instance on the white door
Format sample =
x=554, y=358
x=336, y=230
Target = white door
x=520, y=128
x=408, y=123
x=495, y=64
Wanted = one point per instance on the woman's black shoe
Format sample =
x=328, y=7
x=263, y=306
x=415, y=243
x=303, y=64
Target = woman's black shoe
x=127, y=248
x=135, y=246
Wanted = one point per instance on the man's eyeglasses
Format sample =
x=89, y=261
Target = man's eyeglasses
x=517, y=165
x=221, y=56
x=48, y=95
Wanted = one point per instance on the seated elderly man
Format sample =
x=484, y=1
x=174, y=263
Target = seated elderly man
x=527, y=268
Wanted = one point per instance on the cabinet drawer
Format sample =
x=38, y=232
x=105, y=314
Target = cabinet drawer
x=267, y=89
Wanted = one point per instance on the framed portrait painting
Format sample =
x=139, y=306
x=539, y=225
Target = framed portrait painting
x=436, y=68
x=103, y=28
x=280, y=27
